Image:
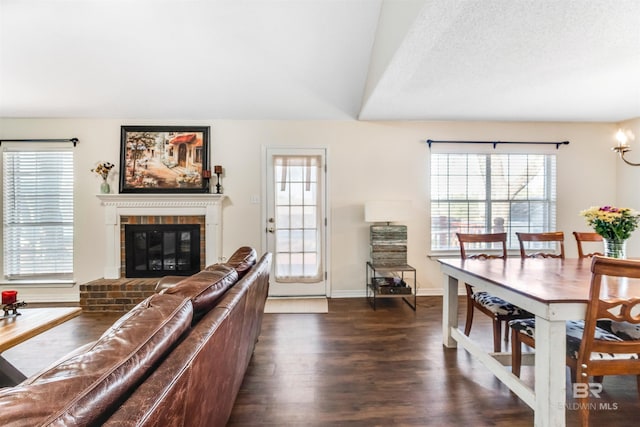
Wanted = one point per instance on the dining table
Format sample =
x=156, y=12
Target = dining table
x=555, y=291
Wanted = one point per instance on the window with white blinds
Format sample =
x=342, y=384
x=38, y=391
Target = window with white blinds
x=38, y=214
x=491, y=193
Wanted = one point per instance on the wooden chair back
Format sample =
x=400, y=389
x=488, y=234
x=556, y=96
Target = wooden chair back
x=469, y=239
x=551, y=236
x=586, y=237
x=616, y=306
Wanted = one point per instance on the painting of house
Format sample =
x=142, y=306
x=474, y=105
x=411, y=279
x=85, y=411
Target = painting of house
x=163, y=159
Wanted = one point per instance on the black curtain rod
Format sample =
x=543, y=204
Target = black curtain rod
x=495, y=143
x=74, y=140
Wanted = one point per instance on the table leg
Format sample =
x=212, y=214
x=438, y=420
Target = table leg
x=449, y=310
x=550, y=373
x=9, y=374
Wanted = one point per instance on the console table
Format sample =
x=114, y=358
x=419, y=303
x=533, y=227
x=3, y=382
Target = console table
x=380, y=281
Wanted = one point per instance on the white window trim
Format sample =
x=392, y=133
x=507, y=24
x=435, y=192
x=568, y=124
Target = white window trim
x=31, y=146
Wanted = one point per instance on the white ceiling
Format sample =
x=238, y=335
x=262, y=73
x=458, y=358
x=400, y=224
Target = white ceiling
x=545, y=60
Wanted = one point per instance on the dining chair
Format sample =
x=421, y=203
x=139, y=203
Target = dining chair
x=496, y=308
x=593, y=351
x=526, y=239
x=586, y=237
x=621, y=329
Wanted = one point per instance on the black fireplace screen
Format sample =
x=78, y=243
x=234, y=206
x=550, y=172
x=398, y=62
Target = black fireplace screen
x=157, y=250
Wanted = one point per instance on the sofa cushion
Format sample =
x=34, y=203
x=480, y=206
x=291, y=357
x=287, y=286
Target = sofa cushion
x=86, y=386
x=205, y=288
x=242, y=260
x=168, y=282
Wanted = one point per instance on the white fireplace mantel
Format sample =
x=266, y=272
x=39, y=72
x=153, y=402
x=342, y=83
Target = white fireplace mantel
x=119, y=205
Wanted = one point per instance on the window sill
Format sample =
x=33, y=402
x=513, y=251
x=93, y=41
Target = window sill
x=39, y=283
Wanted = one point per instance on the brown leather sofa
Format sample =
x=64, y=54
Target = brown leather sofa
x=177, y=359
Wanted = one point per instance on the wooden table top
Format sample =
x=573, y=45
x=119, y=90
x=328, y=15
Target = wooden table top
x=544, y=279
x=31, y=322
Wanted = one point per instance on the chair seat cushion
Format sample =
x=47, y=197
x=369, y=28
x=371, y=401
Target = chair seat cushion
x=624, y=330
x=498, y=305
x=575, y=330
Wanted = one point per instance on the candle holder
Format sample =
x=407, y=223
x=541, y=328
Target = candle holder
x=218, y=171
x=206, y=176
x=218, y=185
x=13, y=308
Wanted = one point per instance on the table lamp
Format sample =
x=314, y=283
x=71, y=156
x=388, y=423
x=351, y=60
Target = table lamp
x=388, y=242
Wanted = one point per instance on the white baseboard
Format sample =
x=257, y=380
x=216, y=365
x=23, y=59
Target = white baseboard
x=430, y=292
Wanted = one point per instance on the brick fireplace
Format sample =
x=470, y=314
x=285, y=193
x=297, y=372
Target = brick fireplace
x=121, y=208
x=115, y=292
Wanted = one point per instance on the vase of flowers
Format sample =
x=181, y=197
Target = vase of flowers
x=103, y=169
x=615, y=225
x=615, y=248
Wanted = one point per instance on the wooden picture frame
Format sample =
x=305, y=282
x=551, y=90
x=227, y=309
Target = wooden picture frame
x=164, y=159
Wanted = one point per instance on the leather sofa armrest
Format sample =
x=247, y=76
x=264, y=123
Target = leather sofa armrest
x=167, y=282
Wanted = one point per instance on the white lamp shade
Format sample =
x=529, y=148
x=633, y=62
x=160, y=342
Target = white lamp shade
x=387, y=210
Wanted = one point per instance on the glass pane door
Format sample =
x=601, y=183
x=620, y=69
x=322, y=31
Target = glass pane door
x=295, y=225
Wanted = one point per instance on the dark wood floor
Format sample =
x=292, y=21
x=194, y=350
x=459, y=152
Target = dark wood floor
x=357, y=367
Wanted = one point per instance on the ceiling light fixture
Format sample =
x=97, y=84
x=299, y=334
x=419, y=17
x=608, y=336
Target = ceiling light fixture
x=623, y=147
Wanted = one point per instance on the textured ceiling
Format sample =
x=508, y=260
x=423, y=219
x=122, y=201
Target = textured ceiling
x=547, y=60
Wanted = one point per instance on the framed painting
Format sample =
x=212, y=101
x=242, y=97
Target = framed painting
x=164, y=159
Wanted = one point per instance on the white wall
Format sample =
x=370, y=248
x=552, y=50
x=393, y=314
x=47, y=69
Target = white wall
x=628, y=178
x=367, y=160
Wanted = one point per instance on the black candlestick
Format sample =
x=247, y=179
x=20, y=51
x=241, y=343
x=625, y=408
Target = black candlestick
x=218, y=185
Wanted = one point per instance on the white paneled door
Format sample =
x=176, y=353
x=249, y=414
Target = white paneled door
x=296, y=221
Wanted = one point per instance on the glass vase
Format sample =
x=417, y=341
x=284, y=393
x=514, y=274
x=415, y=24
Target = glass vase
x=615, y=248
x=105, y=188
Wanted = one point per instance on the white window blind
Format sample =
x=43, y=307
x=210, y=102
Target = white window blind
x=38, y=214
x=491, y=193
